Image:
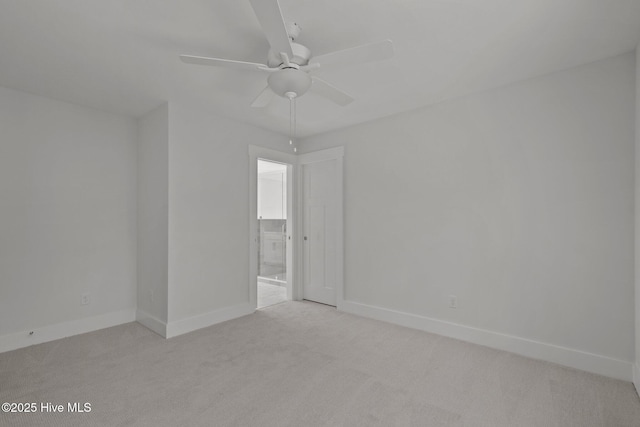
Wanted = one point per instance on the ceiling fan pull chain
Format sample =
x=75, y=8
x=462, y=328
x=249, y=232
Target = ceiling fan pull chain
x=290, y=121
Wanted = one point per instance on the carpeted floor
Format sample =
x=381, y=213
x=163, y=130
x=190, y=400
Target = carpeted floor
x=302, y=364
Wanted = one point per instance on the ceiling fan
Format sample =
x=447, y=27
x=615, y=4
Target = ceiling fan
x=289, y=64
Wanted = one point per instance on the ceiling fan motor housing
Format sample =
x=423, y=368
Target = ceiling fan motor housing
x=289, y=80
x=301, y=56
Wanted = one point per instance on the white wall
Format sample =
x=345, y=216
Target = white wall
x=68, y=219
x=153, y=217
x=518, y=200
x=209, y=215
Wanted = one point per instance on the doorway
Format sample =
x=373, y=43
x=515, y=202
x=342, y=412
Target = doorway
x=313, y=267
x=272, y=217
x=272, y=222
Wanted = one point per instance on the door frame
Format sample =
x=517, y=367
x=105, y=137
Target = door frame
x=260, y=153
x=337, y=154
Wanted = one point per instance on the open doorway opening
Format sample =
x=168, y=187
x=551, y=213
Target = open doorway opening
x=273, y=222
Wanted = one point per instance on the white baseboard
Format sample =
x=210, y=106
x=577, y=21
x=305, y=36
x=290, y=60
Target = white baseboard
x=200, y=321
x=636, y=377
x=151, y=322
x=65, y=329
x=573, y=358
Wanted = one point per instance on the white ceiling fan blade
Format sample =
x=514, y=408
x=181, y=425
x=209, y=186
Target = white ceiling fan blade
x=270, y=18
x=376, y=51
x=330, y=92
x=217, y=62
x=264, y=99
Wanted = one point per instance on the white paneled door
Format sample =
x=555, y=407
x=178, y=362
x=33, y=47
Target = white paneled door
x=320, y=228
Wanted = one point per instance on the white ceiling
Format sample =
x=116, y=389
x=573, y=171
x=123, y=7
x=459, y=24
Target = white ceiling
x=122, y=55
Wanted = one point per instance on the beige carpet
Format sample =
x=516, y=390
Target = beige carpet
x=302, y=364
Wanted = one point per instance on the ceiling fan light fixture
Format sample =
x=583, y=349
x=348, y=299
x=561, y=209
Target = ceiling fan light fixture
x=288, y=80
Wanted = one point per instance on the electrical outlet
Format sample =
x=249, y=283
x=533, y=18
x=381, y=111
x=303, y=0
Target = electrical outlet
x=85, y=299
x=453, y=301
